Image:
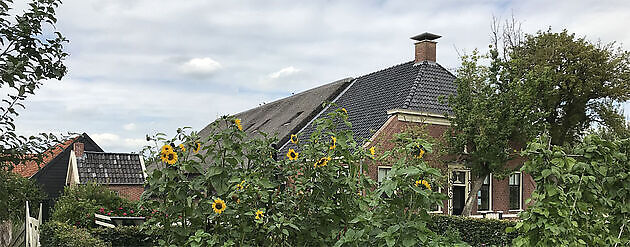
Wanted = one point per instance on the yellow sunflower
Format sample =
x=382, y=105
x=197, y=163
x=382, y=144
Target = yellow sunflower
x=240, y=186
x=181, y=147
x=166, y=148
x=372, y=151
x=334, y=142
x=259, y=214
x=238, y=124
x=322, y=162
x=423, y=182
x=294, y=138
x=218, y=206
x=170, y=157
x=196, y=147
x=418, y=151
x=292, y=154
x=344, y=111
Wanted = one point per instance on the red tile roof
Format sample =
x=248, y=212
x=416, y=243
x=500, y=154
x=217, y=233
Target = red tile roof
x=29, y=168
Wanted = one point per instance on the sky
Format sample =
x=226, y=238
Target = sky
x=147, y=66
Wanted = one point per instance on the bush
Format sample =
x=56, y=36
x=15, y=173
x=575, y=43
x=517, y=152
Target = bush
x=123, y=236
x=54, y=233
x=476, y=232
x=14, y=191
x=78, y=204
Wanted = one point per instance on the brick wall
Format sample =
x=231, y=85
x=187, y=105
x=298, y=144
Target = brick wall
x=500, y=188
x=131, y=192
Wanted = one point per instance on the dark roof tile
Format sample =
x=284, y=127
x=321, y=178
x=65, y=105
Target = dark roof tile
x=110, y=168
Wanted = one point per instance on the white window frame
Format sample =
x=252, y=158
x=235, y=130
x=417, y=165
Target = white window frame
x=490, y=203
x=440, y=209
x=520, y=196
x=378, y=173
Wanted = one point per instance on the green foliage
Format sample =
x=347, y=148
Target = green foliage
x=30, y=54
x=476, y=232
x=79, y=203
x=582, y=197
x=317, y=197
x=19, y=190
x=123, y=236
x=58, y=234
x=576, y=81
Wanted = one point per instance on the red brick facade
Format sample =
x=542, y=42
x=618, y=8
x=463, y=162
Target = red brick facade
x=500, y=188
x=131, y=192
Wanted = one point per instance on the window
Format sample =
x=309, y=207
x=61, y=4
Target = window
x=515, y=191
x=382, y=173
x=484, y=195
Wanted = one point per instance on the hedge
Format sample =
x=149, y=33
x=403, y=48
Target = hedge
x=55, y=233
x=123, y=236
x=476, y=232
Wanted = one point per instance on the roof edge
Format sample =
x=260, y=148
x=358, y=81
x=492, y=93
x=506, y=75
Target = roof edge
x=418, y=113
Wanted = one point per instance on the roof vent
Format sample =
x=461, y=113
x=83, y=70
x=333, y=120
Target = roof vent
x=425, y=47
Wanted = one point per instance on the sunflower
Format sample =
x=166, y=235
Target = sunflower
x=170, y=157
x=259, y=214
x=372, y=151
x=294, y=138
x=423, y=182
x=292, y=154
x=238, y=124
x=218, y=206
x=344, y=111
x=240, y=186
x=166, y=148
x=181, y=147
x=334, y=142
x=322, y=162
x=418, y=151
x=196, y=147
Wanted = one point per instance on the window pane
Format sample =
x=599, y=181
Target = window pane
x=382, y=173
x=515, y=197
x=515, y=179
x=458, y=177
x=483, y=196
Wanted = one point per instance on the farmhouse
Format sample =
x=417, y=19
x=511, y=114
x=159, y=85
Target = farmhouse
x=385, y=102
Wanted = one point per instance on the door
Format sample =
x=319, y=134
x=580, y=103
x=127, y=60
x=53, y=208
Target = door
x=459, y=195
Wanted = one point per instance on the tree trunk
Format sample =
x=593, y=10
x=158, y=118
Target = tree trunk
x=472, y=197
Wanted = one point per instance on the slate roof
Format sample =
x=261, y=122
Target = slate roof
x=110, y=168
x=405, y=86
x=287, y=115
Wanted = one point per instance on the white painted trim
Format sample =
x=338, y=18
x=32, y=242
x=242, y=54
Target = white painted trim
x=406, y=115
x=440, y=206
x=520, y=184
x=72, y=176
x=144, y=169
x=466, y=185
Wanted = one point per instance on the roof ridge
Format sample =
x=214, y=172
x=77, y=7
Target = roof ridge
x=414, y=87
x=97, y=152
x=390, y=67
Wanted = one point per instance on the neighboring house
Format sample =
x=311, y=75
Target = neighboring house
x=121, y=172
x=385, y=102
x=52, y=173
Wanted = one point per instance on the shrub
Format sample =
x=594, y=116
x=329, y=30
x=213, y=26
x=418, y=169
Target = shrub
x=15, y=190
x=476, y=232
x=58, y=234
x=78, y=204
x=123, y=236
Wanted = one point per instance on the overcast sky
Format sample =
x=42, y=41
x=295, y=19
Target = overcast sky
x=141, y=67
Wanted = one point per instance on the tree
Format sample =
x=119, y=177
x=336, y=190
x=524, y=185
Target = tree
x=547, y=82
x=30, y=54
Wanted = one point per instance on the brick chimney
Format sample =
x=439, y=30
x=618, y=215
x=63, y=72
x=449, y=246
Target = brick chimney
x=78, y=149
x=425, y=47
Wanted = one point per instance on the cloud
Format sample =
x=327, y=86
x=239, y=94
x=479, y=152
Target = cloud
x=200, y=67
x=129, y=126
x=109, y=141
x=287, y=71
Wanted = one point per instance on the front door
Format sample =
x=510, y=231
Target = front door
x=458, y=190
x=459, y=195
